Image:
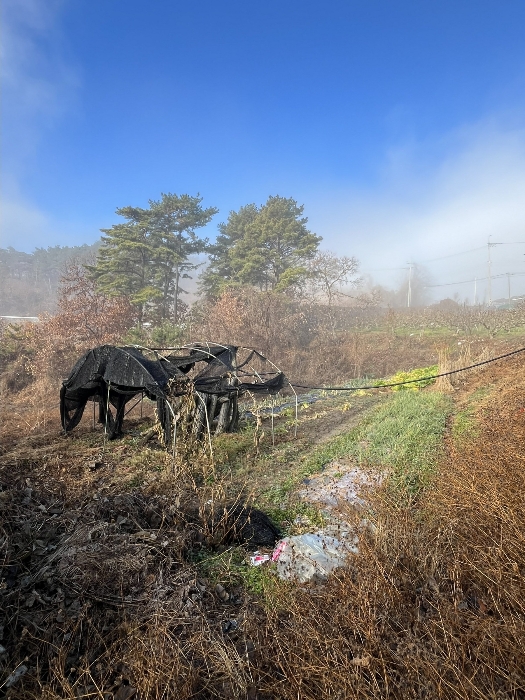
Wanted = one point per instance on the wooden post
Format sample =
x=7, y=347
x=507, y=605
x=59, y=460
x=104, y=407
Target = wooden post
x=224, y=416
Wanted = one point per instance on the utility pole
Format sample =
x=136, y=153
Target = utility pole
x=409, y=295
x=489, y=245
x=508, y=283
x=489, y=276
x=475, y=291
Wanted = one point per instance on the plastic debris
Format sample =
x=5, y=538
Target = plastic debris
x=257, y=559
x=229, y=626
x=278, y=549
x=311, y=557
x=340, y=483
x=222, y=593
x=17, y=673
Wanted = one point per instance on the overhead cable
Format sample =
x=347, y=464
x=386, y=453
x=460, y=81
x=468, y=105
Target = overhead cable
x=476, y=279
x=408, y=381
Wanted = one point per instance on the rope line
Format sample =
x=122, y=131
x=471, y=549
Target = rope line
x=409, y=381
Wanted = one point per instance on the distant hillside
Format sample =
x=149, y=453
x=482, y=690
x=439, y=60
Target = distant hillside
x=29, y=281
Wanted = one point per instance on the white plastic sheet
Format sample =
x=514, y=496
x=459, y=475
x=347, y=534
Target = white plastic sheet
x=312, y=556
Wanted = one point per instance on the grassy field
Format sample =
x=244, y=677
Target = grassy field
x=117, y=584
x=403, y=435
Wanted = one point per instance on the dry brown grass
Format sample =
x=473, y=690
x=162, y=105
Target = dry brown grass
x=433, y=607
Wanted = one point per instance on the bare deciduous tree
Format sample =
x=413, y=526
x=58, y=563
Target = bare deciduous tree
x=85, y=318
x=329, y=275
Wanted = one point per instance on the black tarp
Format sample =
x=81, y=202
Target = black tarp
x=112, y=376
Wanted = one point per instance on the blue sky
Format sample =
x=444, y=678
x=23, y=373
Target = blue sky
x=399, y=125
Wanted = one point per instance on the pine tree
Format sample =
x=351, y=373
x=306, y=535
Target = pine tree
x=126, y=261
x=220, y=272
x=267, y=247
x=174, y=219
x=146, y=257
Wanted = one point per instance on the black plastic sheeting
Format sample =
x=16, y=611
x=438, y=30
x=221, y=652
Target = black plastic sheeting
x=113, y=376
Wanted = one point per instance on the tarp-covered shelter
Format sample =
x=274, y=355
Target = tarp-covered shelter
x=112, y=376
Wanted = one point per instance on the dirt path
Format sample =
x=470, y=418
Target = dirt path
x=265, y=471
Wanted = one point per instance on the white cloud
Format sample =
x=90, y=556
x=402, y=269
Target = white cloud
x=39, y=83
x=39, y=86
x=435, y=199
x=26, y=227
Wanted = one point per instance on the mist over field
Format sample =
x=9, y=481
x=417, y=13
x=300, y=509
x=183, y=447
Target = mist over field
x=262, y=350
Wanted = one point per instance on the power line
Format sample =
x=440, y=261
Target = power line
x=409, y=381
x=451, y=284
x=453, y=255
x=477, y=279
x=472, y=250
x=384, y=269
x=445, y=257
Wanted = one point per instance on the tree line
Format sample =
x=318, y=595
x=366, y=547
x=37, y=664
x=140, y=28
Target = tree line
x=29, y=281
x=148, y=256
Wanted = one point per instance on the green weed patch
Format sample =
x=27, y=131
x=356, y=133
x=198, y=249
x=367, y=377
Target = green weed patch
x=403, y=434
x=410, y=377
x=296, y=515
